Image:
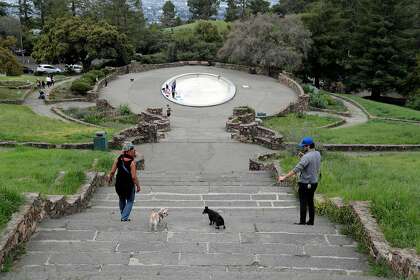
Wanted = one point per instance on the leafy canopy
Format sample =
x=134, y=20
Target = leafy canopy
x=73, y=39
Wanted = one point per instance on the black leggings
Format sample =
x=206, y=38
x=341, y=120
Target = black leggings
x=306, y=199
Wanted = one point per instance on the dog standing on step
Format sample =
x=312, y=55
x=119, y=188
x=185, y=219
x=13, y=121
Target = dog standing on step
x=156, y=218
x=214, y=217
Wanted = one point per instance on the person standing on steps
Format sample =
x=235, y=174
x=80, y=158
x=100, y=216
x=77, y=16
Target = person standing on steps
x=127, y=183
x=308, y=169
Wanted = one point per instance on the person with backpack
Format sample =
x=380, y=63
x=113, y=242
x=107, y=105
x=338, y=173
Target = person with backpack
x=127, y=183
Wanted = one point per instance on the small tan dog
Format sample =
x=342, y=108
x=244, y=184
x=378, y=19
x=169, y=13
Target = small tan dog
x=156, y=218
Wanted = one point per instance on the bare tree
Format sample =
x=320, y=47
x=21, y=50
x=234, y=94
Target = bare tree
x=268, y=41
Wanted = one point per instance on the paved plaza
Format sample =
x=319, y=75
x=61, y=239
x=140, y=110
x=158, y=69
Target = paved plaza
x=197, y=164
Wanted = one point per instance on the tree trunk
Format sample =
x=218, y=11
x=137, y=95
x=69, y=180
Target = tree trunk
x=317, y=82
x=376, y=93
x=73, y=8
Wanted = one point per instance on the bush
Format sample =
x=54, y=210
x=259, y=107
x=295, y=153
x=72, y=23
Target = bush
x=80, y=86
x=414, y=100
x=124, y=110
x=157, y=58
x=9, y=64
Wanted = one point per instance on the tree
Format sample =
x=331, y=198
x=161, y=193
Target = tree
x=383, y=47
x=286, y=7
x=168, y=14
x=203, y=9
x=3, y=8
x=8, y=62
x=258, y=6
x=327, y=57
x=412, y=86
x=268, y=41
x=73, y=39
x=232, y=10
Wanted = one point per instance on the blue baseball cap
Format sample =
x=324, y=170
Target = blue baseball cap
x=306, y=141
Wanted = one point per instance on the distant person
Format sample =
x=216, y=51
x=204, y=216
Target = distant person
x=43, y=84
x=173, y=86
x=48, y=80
x=168, y=111
x=308, y=169
x=106, y=82
x=127, y=183
x=38, y=84
x=41, y=94
x=52, y=80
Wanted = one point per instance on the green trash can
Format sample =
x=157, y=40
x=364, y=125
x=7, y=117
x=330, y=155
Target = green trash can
x=100, y=142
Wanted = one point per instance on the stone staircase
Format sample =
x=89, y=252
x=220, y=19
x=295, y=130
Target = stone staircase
x=259, y=242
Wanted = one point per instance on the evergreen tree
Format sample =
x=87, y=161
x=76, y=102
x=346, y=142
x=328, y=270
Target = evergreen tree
x=258, y=6
x=286, y=7
x=232, y=10
x=203, y=9
x=326, y=59
x=168, y=14
x=383, y=45
x=3, y=8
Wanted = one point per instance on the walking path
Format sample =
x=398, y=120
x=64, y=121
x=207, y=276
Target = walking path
x=39, y=106
x=357, y=116
x=197, y=165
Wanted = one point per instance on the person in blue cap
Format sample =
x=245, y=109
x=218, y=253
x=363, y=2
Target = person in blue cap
x=308, y=169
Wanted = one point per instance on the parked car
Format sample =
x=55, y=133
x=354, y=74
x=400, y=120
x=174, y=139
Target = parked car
x=76, y=68
x=48, y=69
x=27, y=70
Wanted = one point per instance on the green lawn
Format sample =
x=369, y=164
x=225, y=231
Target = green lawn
x=379, y=109
x=19, y=123
x=293, y=126
x=222, y=26
x=372, y=132
x=389, y=180
x=35, y=170
x=11, y=94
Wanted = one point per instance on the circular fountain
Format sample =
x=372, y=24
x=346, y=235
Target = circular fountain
x=198, y=89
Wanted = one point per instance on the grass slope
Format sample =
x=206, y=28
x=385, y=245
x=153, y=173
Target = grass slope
x=372, y=132
x=390, y=181
x=11, y=94
x=35, y=170
x=20, y=124
x=386, y=110
x=222, y=26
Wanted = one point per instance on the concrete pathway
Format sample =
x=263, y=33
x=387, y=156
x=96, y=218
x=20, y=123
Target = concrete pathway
x=196, y=165
x=357, y=115
x=39, y=107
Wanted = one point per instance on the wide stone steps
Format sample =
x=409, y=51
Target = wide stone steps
x=260, y=240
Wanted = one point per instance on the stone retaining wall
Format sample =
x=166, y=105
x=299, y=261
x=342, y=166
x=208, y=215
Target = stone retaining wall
x=244, y=129
x=302, y=103
x=56, y=206
x=21, y=226
x=23, y=223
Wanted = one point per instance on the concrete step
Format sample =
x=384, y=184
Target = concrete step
x=201, y=190
x=136, y=272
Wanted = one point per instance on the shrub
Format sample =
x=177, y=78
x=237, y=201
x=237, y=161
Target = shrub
x=80, y=86
x=124, y=110
x=156, y=58
x=9, y=64
x=317, y=100
x=414, y=100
